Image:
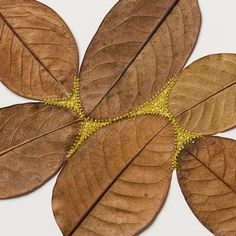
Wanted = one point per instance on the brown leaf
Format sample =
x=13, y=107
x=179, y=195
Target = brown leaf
x=118, y=181
x=34, y=140
x=204, y=97
x=40, y=54
x=206, y=175
x=139, y=46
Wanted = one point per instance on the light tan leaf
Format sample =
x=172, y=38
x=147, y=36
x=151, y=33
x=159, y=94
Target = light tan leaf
x=204, y=98
x=139, y=46
x=34, y=140
x=206, y=175
x=118, y=181
x=39, y=57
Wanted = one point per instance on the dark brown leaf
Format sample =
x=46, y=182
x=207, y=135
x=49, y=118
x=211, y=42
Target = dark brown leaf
x=204, y=98
x=206, y=175
x=139, y=46
x=118, y=181
x=34, y=140
x=40, y=54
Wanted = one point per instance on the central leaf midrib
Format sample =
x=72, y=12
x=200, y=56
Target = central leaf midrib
x=97, y=200
x=143, y=45
x=31, y=52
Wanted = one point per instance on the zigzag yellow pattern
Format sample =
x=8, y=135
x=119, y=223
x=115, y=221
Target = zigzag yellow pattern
x=158, y=105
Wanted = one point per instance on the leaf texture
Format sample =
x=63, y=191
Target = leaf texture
x=138, y=47
x=204, y=98
x=206, y=175
x=34, y=140
x=118, y=181
x=40, y=54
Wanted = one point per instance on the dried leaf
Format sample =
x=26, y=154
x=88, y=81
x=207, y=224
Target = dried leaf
x=139, y=46
x=204, y=97
x=40, y=54
x=34, y=140
x=207, y=178
x=118, y=181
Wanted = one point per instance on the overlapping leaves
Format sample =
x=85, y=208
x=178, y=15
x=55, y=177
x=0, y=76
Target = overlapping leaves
x=118, y=180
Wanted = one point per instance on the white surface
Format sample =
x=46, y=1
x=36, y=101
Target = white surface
x=31, y=215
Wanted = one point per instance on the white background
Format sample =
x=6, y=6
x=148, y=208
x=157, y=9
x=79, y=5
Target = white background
x=32, y=215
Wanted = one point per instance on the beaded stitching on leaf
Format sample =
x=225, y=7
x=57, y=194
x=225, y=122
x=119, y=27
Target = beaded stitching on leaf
x=72, y=101
x=88, y=128
x=158, y=105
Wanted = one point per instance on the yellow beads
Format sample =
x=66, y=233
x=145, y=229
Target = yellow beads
x=71, y=102
x=88, y=128
x=158, y=105
x=182, y=137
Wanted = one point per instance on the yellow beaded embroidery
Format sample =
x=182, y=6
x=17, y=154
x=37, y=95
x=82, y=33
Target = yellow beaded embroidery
x=88, y=128
x=72, y=101
x=158, y=105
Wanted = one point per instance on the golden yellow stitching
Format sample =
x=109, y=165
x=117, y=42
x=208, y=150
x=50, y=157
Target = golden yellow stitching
x=88, y=128
x=182, y=137
x=158, y=105
x=71, y=102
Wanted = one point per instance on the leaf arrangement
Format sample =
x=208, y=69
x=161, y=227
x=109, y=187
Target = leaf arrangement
x=119, y=129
